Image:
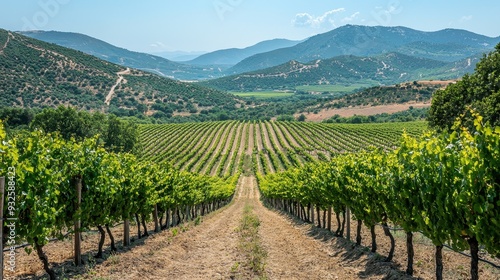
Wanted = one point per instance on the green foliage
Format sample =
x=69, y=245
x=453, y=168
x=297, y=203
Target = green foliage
x=117, y=135
x=385, y=95
x=480, y=90
x=69, y=122
x=115, y=186
x=444, y=185
x=16, y=117
x=285, y=118
x=121, y=136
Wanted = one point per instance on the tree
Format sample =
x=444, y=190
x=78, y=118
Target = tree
x=480, y=90
x=117, y=135
x=120, y=136
x=301, y=118
x=69, y=122
x=16, y=117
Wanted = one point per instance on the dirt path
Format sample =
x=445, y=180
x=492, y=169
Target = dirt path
x=207, y=251
x=251, y=140
x=210, y=250
x=291, y=255
x=118, y=82
x=6, y=42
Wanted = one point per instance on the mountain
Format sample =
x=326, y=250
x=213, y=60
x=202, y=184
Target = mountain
x=234, y=55
x=389, y=68
x=124, y=57
x=447, y=45
x=36, y=74
x=179, y=55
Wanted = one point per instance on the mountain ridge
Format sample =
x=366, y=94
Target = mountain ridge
x=232, y=56
x=372, y=40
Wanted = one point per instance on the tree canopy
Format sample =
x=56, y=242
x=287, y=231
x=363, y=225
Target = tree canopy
x=117, y=135
x=480, y=90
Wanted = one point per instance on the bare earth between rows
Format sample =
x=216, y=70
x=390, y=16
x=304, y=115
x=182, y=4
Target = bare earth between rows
x=210, y=250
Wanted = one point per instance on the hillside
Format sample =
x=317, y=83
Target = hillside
x=447, y=45
x=37, y=74
x=390, y=68
x=120, y=56
x=234, y=55
x=179, y=55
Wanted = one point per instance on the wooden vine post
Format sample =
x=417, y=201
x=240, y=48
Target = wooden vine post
x=348, y=215
x=78, y=251
x=126, y=233
x=330, y=218
x=155, y=218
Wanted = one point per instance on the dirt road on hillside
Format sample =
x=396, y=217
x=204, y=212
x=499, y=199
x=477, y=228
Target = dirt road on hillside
x=118, y=82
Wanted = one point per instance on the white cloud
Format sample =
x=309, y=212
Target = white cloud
x=466, y=18
x=157, y=45
x=350, y=18
x=307, y=20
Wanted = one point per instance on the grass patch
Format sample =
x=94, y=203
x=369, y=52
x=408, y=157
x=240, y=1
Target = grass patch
x=250, y=246
x=263, y=94
x=334, y=88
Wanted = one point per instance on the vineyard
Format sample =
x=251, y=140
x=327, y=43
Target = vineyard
x=443, y=186
x=224, y=148
x=56, y=187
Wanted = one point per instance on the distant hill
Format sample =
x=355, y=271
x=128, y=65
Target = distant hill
x=36, y=74
x=386, y=69
x=178, y=55
x=446, y=45
x=124, y=57
x=234, y=55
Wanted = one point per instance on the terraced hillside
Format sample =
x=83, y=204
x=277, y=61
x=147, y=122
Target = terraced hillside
x=223, y=148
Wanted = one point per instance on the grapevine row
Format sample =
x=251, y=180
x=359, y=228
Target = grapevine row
x=46, y=174
x=446, y=186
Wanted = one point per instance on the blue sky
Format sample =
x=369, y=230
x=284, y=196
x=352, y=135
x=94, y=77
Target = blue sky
x=207, y=25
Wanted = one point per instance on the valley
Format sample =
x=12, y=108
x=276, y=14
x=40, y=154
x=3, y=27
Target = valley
x=348, y=152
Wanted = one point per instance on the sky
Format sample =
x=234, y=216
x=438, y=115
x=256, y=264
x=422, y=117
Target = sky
x=207, y=25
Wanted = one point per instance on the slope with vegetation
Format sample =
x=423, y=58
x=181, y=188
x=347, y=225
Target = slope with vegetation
x=120, y=56
x=480, y=90
x=36, y=74
x=384, y=69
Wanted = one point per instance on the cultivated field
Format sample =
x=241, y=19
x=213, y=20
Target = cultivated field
x=263, y=94
x=223, y=148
